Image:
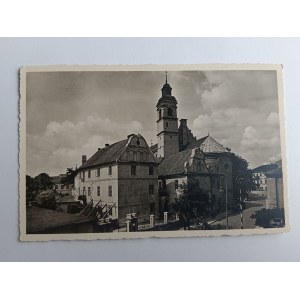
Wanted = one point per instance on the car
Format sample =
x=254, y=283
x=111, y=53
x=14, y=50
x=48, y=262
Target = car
x=276, y=223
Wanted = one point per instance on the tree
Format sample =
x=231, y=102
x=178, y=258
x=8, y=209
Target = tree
x=43, y=182
x=191, y=200
x=264, y=216
x=69, y=179
x=242, y=177
x=36, y=185
x=30, y=189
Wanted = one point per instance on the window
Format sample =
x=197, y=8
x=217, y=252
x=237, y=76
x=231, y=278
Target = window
x=98, y=191
x=176, y=184
x=83, y=191
x=151, y=189
x=89, y=173
x=62, y=186
x=152, y=208
x=89, y=191
x=133, y=170
x=67, y=187
x=109, y=170
x=170, y=112
x=134, y=156
x=98, y=172
x=109, y=191
x=151, y=171
x=159, y=113
x=167, y=124
x=56, y=187
x=83, y=174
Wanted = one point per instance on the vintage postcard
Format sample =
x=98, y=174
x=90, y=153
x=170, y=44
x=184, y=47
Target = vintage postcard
x=110, y=152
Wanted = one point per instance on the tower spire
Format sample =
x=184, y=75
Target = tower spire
x=166, y=76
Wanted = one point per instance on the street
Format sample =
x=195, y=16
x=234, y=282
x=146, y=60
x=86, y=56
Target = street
x=234, y=220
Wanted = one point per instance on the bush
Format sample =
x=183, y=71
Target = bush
x=264, y=216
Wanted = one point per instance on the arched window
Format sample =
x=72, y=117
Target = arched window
x=170, y=112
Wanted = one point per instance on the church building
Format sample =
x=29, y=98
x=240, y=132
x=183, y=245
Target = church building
x=182, y=158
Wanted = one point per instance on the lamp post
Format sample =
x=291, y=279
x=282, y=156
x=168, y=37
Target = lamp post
x=226, y=198
x=241, y=206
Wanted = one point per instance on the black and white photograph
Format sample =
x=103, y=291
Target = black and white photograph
x=110, y=152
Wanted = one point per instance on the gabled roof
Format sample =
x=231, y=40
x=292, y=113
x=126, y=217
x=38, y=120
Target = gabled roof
x=208, y=145
x=174, y=163
x=105, y=155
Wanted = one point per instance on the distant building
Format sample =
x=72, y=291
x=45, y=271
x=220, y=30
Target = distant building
x=260, y=178
x=275, y=187
x=123, y=177
x=59, y=186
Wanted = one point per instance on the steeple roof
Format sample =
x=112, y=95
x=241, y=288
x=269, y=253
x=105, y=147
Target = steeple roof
x=208, y=145
x=166, y=89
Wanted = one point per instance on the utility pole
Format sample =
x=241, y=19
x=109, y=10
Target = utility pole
x=241, y=206
x=226, y=201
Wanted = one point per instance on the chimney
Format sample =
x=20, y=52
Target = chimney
x=83, y=160
x=183, y=121
x=106, y=145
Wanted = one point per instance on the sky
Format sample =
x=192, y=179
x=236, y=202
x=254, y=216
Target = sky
x=74, y=113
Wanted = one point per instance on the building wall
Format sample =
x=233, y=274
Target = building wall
x=260, y=180
x=134, y=192
x=167, y=129
x=271, y=201
x=168, y=143
x=104, y=181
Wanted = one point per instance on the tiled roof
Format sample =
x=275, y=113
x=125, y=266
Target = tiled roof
x=154, y=147
x=105, y=155
x=40, y=219
x=208, y=145
x=174, y=163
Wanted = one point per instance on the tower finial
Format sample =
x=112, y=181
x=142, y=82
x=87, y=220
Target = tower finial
x=208, y=133
x=166, y=76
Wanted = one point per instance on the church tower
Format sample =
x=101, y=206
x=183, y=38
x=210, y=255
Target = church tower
x=167, y=122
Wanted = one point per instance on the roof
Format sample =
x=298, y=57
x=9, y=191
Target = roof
x=42, y=219
x=174, y=163
x=208, y=145
x=67, y=199
x=154, y=147
x=105, y=155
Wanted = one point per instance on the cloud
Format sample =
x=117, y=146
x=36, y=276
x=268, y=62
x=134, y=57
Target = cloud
x=241, y=112
x=62, y=144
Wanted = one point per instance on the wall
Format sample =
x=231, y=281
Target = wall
x=271, y=194
x=104, y=181
x=134, y=190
